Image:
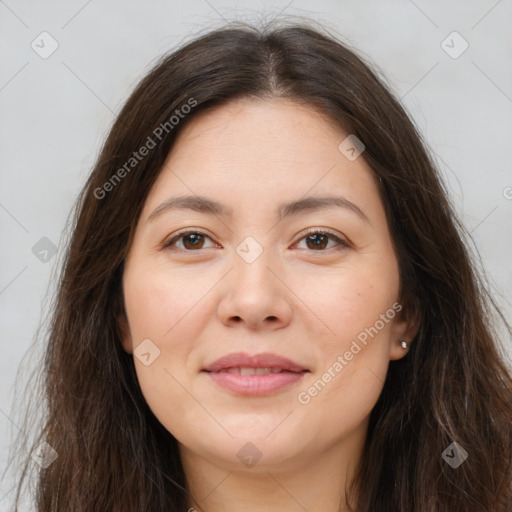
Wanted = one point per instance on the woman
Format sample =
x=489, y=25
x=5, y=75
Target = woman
x=267, y=302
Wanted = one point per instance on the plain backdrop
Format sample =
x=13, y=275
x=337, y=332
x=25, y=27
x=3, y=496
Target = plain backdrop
x=450, y=62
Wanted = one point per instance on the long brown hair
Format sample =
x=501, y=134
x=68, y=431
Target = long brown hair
x=453, y=386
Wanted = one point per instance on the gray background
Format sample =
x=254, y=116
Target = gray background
x=56, y=111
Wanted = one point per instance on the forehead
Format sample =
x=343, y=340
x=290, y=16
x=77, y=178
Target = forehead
x=247, y=124
x=261, y=151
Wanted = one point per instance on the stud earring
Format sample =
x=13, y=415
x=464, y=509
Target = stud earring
x=403, y=343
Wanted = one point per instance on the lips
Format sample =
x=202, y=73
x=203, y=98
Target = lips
x=258, y=364
x=258, y=375
x=249, y=370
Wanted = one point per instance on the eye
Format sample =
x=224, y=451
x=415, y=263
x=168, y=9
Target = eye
x=317, y=240
x=191, y=240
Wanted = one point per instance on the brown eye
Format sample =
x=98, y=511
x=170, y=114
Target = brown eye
x=319, y=240
x=190, y=241
x=193, y=241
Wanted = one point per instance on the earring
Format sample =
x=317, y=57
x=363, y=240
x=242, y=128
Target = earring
x=403, y=343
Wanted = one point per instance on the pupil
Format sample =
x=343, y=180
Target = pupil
x=317, y=242
x=194, y=236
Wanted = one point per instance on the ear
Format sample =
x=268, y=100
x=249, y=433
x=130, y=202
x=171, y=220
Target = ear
x=124, y=329
x=405, y=327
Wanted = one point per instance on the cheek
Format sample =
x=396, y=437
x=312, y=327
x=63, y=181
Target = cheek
x=167, y=312
x=359, y=308
x=352, y=301
x=159, y=306
x=166, y=393
x=341, y=405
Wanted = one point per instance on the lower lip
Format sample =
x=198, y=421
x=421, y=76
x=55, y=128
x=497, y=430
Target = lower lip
x=255, y=385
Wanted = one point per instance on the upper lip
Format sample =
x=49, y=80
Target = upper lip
x=264, y=360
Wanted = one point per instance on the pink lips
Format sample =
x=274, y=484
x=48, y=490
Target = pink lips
x=256, y=375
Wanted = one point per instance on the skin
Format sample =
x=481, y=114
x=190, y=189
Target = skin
x=296, y=300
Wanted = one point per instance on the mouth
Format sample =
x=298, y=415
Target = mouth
x=266, y=362
x=257, y=375
x=249, y=370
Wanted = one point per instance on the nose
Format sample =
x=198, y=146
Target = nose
x=254, y=295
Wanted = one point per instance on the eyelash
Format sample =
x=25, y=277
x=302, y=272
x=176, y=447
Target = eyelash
x=311, y=231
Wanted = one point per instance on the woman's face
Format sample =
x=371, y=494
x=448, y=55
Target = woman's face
x=257, y=279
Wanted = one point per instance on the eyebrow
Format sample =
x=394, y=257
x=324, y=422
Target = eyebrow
x=207, y=206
